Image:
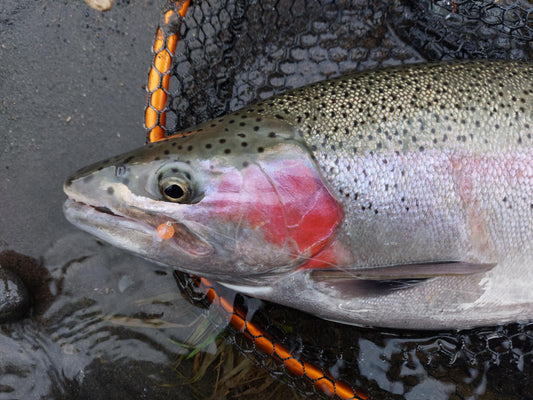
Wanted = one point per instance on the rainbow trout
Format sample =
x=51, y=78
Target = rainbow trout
x=400, y=197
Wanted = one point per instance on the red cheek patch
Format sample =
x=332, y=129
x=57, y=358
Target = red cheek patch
x=283, y=198
x=310, y=212
x=262, y=207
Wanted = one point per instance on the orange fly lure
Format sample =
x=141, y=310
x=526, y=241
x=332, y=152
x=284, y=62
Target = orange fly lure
x=155, y=118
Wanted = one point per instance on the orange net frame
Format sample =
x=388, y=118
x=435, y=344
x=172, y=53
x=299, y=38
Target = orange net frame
x=164, y=48
x=155, y=117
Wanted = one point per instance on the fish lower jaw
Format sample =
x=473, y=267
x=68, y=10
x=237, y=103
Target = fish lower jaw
x=94, y=219
x=136, y=235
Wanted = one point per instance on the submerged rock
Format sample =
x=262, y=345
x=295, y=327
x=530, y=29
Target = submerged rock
x=14, y=297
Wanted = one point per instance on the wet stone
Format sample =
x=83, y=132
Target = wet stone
x=14, y=297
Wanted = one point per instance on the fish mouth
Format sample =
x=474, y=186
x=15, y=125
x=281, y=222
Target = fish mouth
x=82, y=214
x=138, y=236
x=105, y=210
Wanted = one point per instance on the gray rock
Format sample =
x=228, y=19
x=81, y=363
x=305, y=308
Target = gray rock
x=14, y=297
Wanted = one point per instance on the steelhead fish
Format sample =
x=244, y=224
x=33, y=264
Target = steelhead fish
x=400, y=197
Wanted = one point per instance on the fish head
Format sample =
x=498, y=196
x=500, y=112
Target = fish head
x=241, y=207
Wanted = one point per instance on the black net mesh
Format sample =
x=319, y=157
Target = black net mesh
x=466, y=29
x=232, y=52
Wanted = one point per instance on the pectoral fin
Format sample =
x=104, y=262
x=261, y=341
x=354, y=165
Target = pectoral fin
x=374, y=280
x=420, y=271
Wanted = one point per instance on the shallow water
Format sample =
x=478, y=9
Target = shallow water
x=112, y=320
x=106, y=324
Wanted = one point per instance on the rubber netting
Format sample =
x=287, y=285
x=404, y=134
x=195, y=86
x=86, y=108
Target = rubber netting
x=232, y=52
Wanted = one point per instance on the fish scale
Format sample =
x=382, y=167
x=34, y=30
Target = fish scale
x=400, y=197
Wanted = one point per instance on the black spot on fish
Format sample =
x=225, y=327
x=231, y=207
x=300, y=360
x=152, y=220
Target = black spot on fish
x=208, y=146
x=227, y=151
x=166, y=152
x=244, y=144
x=110, y=190
x=222, y=140
x=189, y=148
x=260, y=149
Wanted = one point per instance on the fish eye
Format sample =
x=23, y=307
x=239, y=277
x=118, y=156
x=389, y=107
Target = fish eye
x=175, y=189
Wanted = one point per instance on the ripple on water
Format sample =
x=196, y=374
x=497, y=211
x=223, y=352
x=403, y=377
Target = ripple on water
x=114, y=323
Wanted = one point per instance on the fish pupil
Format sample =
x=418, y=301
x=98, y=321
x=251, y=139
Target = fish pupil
x=174, y=191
